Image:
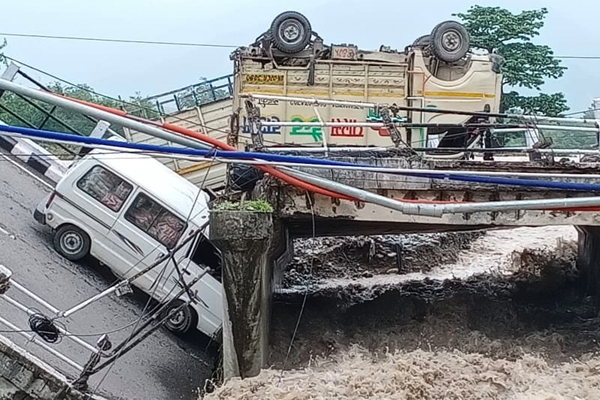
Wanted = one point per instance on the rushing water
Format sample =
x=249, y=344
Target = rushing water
x=452, y=350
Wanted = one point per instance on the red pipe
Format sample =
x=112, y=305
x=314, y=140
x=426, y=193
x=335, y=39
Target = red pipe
x=273, y=171
x=222, y=146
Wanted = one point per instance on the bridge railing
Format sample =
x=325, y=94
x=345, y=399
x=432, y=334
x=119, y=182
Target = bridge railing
x=195, y=95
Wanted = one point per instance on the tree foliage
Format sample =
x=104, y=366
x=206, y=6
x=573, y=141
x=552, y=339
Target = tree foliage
x=527, y=65
x=542, y=104
x=36, y=113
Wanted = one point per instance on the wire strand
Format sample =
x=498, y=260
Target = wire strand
x=109, y=40
x=306, y=291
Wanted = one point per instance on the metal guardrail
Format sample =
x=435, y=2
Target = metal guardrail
x=195, y=95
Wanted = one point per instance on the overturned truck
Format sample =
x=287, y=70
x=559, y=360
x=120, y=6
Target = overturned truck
x=290, y=59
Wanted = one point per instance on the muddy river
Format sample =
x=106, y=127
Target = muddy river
x=495, y=315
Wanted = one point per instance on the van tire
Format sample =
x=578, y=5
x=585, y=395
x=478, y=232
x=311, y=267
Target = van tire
x=71, y=242
x=450, y=41
x=290, y=32
x=182, y=323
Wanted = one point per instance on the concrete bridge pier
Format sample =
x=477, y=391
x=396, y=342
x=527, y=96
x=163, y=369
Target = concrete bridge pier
x=588, y=258
x=244, y=239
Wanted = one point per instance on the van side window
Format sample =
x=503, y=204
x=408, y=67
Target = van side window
x=105, y=187
x=155, y=220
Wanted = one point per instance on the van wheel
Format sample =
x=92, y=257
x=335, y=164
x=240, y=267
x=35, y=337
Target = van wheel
x=182, y=321
x=290, y=32
x=71, y=242
x=450, y=41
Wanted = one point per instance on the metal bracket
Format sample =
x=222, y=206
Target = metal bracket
x=254, y=123
x=386, y=117
x=124, y=290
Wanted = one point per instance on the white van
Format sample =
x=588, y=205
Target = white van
x=128, y=210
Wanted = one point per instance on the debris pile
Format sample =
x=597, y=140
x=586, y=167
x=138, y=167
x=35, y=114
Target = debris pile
x=365, y=256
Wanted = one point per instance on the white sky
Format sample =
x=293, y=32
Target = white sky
x=122, y=69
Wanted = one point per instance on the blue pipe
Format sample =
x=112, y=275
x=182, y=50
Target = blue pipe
x=42, y=134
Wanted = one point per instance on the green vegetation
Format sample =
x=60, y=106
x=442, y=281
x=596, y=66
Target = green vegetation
x=527, y=65
x=254, y=205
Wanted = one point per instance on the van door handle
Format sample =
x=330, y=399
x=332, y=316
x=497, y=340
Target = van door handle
x=160, y=255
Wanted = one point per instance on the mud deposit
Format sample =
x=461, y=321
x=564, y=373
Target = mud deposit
x=514, y=326
x=355, y=257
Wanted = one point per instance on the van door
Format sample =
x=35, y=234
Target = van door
x=209, y=308
x=145, y=232
x=92, y=198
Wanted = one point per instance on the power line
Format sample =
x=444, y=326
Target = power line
x=185, y=44
x=581, y=112
x=578, y=57
x=108, y=40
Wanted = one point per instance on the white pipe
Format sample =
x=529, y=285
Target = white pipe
x=43, y=345
x=103, y=115
x=324, y=124
x=34, y=296
x=380, y=125
x=89, y=301
x=438, y=210
x=315, y=102
x=556, y=119
x=61, y=330
x=309, y=101
x=320, y=149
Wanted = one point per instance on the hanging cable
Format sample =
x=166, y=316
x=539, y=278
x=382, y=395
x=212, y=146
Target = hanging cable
x=44, y=327
x=300, y=160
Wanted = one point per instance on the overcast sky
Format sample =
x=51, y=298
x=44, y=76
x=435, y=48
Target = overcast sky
x=122, y=69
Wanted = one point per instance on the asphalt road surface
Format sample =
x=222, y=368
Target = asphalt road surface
x=162, y=367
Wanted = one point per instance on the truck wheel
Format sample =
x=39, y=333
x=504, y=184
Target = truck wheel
x=71, y=242
x=182, y=321
x=290, y=32
x=450, y=41
x=422, y=41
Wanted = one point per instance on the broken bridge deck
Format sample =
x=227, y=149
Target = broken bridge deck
x=339, y=217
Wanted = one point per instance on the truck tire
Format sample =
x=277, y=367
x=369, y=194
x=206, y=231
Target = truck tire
x=183, y=321
x=450, y=41
x=290, y=32
x=71, y=242
x=422, y=41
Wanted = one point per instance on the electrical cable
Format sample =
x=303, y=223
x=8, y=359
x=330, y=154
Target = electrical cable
x=300, y=160
x=44, y=327
x=306, y=291
x=190, y=44
x=108, y=40
x=133, y=333
x=178, y=118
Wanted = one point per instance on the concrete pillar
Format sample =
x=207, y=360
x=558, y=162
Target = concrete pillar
x=588, y=259
x=244, y=240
